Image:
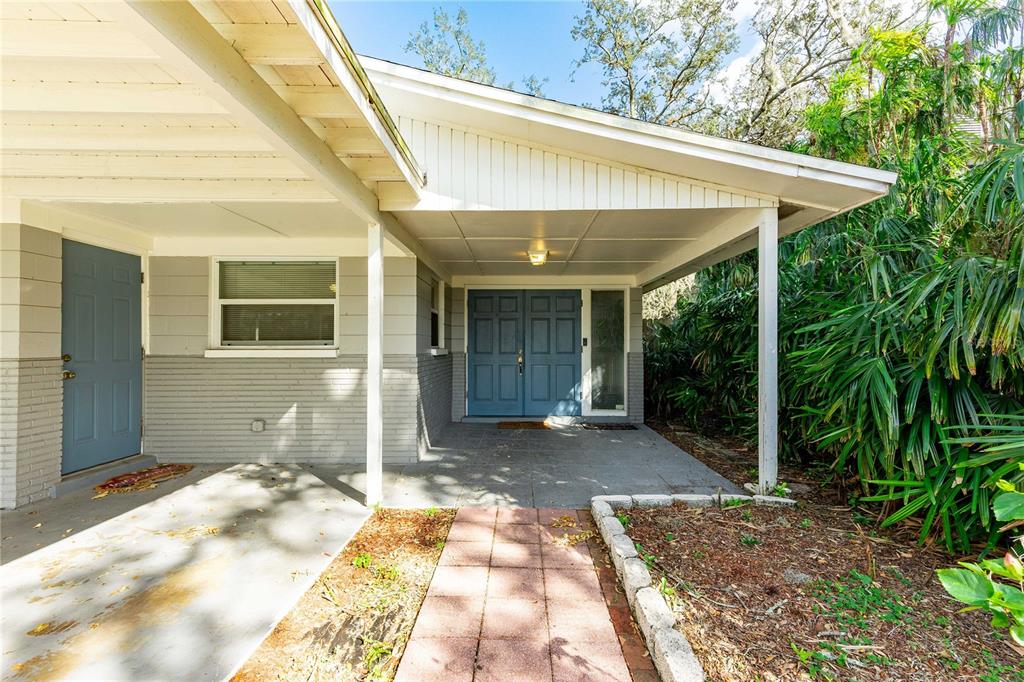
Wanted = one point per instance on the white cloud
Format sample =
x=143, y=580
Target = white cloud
x=744, y=10
x=731, y=74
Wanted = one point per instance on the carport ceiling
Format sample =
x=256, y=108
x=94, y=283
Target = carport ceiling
x=584, y=243
x=231, y=219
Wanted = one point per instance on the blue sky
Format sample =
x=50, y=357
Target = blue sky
x=521, y=38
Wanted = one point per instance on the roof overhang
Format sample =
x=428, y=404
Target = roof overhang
x=797, y=179
x=607, y=196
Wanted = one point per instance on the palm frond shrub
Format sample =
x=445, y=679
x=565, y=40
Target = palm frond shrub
x=901, y=330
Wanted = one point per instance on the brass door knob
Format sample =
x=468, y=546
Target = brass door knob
x=66, y=357
x=68, y=374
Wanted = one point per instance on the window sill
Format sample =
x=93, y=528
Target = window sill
x=439, y=351
x=271, y=353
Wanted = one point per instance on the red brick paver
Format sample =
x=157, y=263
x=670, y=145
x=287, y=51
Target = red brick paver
x=507, y=603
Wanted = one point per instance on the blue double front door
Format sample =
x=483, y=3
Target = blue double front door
x=524, y=352
x=101, y=339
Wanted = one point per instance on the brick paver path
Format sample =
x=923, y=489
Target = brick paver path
x=508, y=603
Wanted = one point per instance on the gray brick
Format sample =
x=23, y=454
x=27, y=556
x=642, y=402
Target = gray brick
x=30, y=447
x=201, y=409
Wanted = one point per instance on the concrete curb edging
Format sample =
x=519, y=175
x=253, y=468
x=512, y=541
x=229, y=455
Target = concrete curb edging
x=671, y=652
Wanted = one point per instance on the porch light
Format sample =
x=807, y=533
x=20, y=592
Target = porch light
x=537, y=257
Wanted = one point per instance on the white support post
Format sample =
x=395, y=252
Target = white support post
x=374, y=364
x=767, y=350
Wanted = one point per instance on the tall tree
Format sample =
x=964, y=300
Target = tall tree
x=447, y=47
x=659, y=58
x=803, y=44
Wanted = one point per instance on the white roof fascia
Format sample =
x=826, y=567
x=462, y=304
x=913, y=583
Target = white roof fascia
x=318, y=21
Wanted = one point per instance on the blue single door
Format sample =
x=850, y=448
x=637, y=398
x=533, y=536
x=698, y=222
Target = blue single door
x=553, y=353
x=102, y=346
x=495, y=372
x=524, y=353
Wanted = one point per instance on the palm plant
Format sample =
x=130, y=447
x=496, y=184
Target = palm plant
x=902, y=322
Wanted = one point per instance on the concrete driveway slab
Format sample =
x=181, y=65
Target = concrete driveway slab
x=183, y=587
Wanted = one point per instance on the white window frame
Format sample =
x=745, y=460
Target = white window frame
x=216, y=344
x=588, y=376
x=437, y=307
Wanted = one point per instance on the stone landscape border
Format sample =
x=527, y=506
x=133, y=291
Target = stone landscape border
x=670, y=650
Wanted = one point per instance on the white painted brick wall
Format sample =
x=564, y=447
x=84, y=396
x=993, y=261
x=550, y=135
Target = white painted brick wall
x=201, y=409
x=31, y=410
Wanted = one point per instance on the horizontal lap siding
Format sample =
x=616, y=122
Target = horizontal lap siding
x=31, y=388
x=201, y=409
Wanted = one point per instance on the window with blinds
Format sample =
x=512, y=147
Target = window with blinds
x=277, y=303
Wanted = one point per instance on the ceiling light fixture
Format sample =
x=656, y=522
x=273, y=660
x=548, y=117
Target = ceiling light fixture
x=537, y=257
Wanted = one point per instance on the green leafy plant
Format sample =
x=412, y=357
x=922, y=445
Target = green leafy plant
x=362, y=560
x=995, y=585
x=749, y=540
x=781, y=489
x=431, y=511
x=623, y=518
x=386, y=572
x=645, y=556
x=376, y=656
x=805, y=524
x=901, y=328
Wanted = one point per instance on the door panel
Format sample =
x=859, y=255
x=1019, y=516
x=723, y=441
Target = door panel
x=496, y=332
x=544, y=326
x=553, y=353
x=102, y=332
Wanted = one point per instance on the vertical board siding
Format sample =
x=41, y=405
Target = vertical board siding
x=468, y=170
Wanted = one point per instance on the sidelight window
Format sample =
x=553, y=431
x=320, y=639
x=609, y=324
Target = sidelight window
x=607, y=353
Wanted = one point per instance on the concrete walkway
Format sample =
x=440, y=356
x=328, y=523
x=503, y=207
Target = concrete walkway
x=507, y=602
x=564, y=466
x=183, y=587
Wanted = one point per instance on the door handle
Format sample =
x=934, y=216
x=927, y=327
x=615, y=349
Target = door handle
x=519, y=361
x=66, y=357
x=68, y=374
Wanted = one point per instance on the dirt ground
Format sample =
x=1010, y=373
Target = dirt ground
x=352, y=624
x=815, y=592
x=767, y=593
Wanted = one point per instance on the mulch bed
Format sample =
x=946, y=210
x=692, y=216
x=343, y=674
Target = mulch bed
x=768, y=593
x=352, y=624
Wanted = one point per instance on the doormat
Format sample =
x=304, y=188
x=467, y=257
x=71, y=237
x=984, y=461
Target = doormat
x=523, y=425
x=609, y=427
x=140, y=480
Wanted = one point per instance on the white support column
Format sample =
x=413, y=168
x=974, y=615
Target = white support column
x=768, y=349
x=374, y=364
